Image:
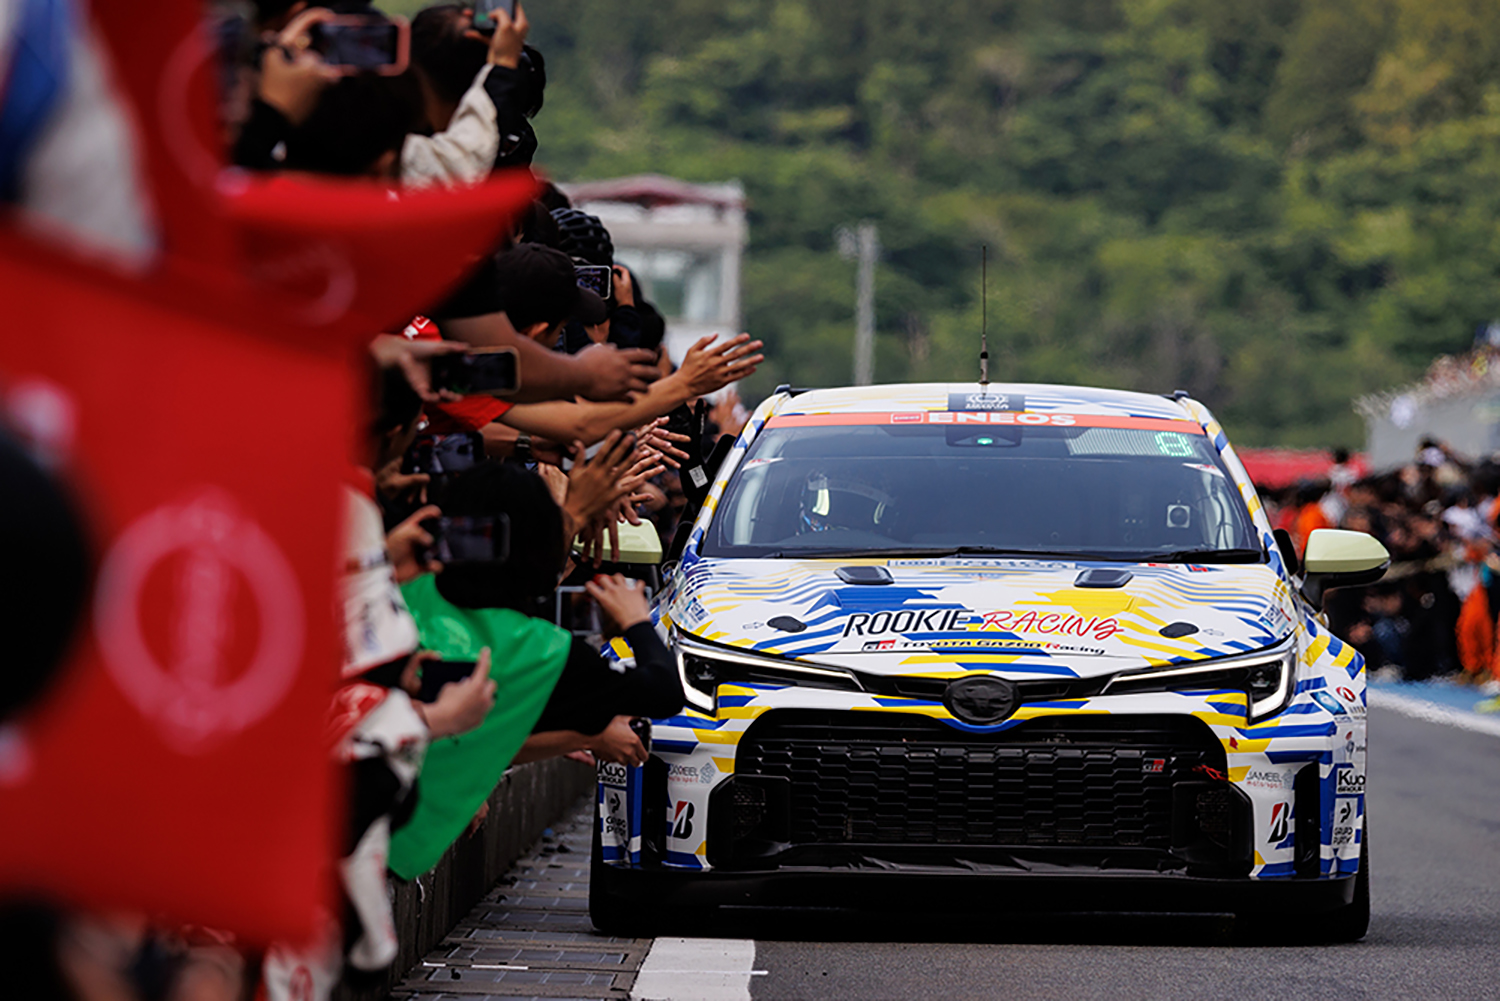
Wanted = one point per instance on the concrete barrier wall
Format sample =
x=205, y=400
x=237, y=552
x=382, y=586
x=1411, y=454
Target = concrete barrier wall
x=528, y=800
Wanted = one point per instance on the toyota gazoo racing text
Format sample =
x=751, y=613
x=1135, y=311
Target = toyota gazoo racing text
x=1008, y=647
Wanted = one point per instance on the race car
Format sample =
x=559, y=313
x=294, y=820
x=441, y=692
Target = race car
x=1002, y=647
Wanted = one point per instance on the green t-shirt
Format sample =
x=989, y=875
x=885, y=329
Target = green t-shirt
x=526, y=659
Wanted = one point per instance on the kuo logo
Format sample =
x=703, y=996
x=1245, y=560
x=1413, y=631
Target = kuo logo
x=188, y=569
x=682, y=820
x=1280, y=822
x=1346, y=783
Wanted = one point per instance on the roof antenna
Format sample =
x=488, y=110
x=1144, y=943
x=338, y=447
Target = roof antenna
x=984, y=315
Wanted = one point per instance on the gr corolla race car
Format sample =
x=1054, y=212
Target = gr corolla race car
x=1009, y=647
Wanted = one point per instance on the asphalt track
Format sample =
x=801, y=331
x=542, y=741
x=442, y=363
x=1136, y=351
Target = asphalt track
x=1434, y=801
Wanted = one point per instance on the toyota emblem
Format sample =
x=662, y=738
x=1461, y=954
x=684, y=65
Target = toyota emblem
x=981, y=700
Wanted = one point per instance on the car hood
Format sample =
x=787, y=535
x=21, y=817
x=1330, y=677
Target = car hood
x=940, y=616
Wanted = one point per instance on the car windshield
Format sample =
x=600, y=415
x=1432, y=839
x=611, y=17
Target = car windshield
x=816, y=487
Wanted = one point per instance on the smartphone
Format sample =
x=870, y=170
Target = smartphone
x=437, y=673
x=493, y=371
x=596, y=279
x=437, y=454
x=363, y=43
x=641, y=727
x=468, y=539
x=482, y=8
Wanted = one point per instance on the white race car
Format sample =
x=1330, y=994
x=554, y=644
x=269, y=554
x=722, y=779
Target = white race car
x=1025, y=646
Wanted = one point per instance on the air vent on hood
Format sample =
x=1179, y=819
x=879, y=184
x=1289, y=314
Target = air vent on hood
x=1101, y=577
x=864, y=575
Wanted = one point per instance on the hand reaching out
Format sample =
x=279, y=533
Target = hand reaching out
x=408, y=544
x=623, y=599
x=462, y=705
x=414, y=359
x=709, y=367
x=509, y=37
x=618, y=743
x=593, y=485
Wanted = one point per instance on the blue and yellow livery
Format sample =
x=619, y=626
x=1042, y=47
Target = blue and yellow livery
x=957, y=638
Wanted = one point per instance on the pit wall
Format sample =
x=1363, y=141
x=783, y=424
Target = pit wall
x=528, y=800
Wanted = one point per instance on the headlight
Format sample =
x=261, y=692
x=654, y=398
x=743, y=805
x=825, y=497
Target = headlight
x=706, y=666
x=1268, y=678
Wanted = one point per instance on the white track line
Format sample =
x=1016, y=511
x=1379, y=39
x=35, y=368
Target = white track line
x=1432, y=712
x=697, y=969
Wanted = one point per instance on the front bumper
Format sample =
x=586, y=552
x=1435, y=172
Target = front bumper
x=678, y=891
x=787, y=793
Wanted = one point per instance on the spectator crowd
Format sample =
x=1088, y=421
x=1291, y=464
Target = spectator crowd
x=517, y=430
x=1434, y=613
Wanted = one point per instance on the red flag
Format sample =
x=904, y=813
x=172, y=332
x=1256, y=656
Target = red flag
x=208, y=407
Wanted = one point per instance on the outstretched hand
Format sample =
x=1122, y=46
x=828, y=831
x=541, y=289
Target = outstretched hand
x=622, y=598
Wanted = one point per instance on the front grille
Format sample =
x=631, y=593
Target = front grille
x=898, y=779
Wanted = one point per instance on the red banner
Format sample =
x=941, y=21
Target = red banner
x=203, y=410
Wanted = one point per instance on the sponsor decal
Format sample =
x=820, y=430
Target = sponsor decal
x=682, y=819
x=1350, y=747
x=1274, y=619
x=1205, y=468
x=972, y=564
x=1269, y=778
x=989, y=642
x=615, y=826
x=1330, y=703
x=1051, y=623
x=1280, y=822
x=907, y=620
x=696, y=775
x=692, y=613
x=1344, y=815
x=1002, y=417
x=1355, y=707
x=1347, y=783
x=612, y=774
x=986, y=401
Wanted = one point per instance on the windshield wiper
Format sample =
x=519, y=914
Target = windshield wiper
x=1209, y=556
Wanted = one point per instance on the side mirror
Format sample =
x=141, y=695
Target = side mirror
x=1338, y=558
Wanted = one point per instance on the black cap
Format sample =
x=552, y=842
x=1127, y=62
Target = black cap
x=538, y=284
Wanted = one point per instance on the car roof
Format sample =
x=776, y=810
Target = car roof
x=1036, y=397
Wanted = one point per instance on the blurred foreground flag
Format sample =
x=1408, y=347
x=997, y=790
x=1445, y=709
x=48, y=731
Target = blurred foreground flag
x=183, y=365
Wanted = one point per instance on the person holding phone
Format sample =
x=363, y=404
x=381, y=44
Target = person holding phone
x=548, y=680
x=478, y=93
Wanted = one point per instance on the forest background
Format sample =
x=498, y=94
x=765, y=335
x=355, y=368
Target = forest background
x=1277, y=205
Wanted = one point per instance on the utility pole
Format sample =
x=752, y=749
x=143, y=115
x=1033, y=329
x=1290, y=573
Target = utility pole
x=863, y=243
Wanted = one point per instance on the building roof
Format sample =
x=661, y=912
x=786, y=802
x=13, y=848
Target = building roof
x=655, y=190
